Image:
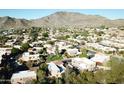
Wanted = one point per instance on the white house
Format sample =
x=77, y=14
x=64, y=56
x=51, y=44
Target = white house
x=36, y=44
x=83, y=64
x=101, y=47
x=54, y=70
x=112, y=43
x=61, y=44
x=26, y=56
x=60, y=66
x=50, y=49
x=9, y=43
x=37, y=49
x=26, y=39
x=73, y=52
x=5, y=50
x=23, y=77
x=101, y=58
x=17, y=46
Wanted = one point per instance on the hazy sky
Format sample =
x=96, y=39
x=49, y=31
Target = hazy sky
x=38, y=13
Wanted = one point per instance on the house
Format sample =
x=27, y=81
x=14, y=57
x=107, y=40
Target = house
x=26, y=39
x=29, y=56
x=83, y=64
x=37, y=49
x=90, y=53
x=61, y=44
x=10, y=42
x=112, y=43
x=37, y=44
x=73, y=52
x=23, y=77
x=50, y=49
x=59, y=64
x=5, y=50
x=54, y=70
x=101, y=47
x=17, y=46
x=100, y=58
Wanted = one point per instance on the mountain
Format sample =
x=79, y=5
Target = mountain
x=9, y=22
x=71, y=19
x=60, y=19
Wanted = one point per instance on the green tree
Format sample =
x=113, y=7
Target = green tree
x=7, y=64
x=102, y=26
x=42, y=73
x=25, y=47
x=3, y=39
x=51, y=42
x=45, y=34
x=43, y=55
x=15, y=51
x=34, y=34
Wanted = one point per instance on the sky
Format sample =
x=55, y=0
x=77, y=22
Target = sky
x=38, y=13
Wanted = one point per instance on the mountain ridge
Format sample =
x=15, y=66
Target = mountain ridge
x=60, y=19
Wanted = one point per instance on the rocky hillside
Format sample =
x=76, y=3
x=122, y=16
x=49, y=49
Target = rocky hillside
x=71, y=19
x=9, y=22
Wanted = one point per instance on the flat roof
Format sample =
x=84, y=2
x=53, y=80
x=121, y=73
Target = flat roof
x=23, y=74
